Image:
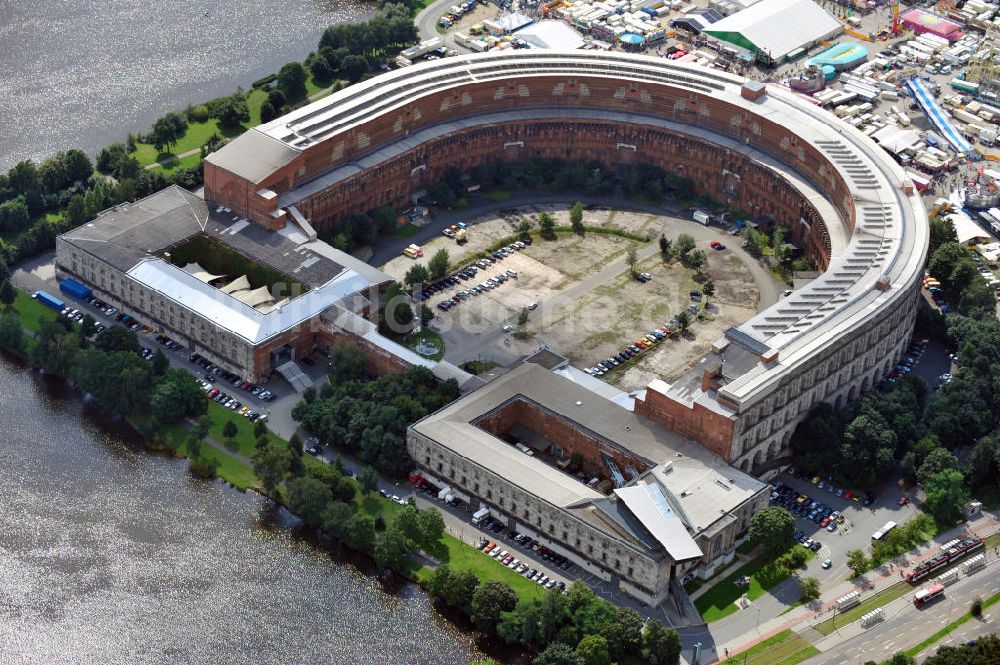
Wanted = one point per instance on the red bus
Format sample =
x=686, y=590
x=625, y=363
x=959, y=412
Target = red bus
x=925, y=596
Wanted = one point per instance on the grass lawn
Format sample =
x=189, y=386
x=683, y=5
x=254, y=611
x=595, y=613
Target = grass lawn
x=254, y=101
x=496, y=194
x=244, y=438
x=229, y=468
x=405, y=231
x=785, y=648
x=188, y=162
x=460, y=556
x=992, y=540
x=431, y=337
x=30, y=311
x=879, y=599
x=195, y=136
x=720, y=600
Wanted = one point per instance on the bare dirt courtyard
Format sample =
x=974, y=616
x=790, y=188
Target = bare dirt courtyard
x=586, y=304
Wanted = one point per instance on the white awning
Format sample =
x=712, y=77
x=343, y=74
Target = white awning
x=241, y=283
x=650, y=507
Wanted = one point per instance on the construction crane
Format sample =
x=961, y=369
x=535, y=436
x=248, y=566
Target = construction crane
x=895, y=17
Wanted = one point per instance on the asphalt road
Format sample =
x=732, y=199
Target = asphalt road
x=906, y=625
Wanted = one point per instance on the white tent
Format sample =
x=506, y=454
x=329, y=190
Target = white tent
x=241, y=283
x=255, y=297
x=200, y=273
x=777, y=27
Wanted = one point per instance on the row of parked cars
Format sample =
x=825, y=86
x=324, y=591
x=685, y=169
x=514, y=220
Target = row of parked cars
x=469, y=272
x=496, y=551
x=913, y=355
x=807, y=508
x=233, y=404
x=214, y=373
x=74, y=314
x=645, y=342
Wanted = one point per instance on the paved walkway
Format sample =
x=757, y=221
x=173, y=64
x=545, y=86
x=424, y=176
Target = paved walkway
x=719, y=577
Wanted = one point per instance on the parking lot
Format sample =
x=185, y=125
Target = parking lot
x=812, y=503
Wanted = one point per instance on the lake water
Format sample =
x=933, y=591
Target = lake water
x=81, y=74
x=110, y=554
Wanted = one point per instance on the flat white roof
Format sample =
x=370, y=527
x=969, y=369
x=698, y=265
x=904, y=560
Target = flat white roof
x=228, y=312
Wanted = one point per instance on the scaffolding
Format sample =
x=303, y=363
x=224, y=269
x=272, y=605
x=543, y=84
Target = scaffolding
x=984, y=66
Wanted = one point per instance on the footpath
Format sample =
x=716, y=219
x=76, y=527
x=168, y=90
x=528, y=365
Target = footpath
x=802, y=619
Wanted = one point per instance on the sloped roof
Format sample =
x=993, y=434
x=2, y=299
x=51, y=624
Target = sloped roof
x=777, y=27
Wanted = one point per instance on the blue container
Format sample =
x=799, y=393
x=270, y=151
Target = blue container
x=50, y=300
x=75, y=289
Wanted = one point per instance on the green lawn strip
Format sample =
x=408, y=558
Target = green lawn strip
x=230, y=469
x=188, y=162
x=785, y=648
x=992, y=540
x=879, y=599
x=992, y=600
x=31, y=311
x=195, y=136
x=720, y=600
x=244, y=440
x=460, y=556
x=254, y=101
x=405, y=231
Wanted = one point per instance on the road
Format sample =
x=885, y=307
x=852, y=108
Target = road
x=906, y=625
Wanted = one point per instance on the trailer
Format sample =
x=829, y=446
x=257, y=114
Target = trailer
x=75, y=289
x=50, y=301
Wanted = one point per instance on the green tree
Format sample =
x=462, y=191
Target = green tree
x=684, y=321
x=88, y=327
x=119, y=382
x=308, y=497
x=976, y=609
x=54, y=349
x=772, y=529
x=335, y=518
x=945, y=494
x=260, y=429
x=391, y=549
x=76, y=213
x=558, y=653
x=7, y=293
x=160, y=362
x=367, y=479
x=858, y=562
x=431, y=525
x=942, y=231
x=631, y=258
x=271, y=463
x=12, y=333
x=524, y=229
x=594, y=650
x=624, y=632
x=233, y=111
x=117, y=338
x=438, y=264
x=708, y=288
x=952, y=264
x=661, y=645
x=229, y=432
x=292, y=80
x=576, y=218
x=546, y=225
x=408, y=523
x=489, y=601
x=809, y=587
x=936, y=460
x=353, y=67
x=900, y=658
x=684, y=245
x=14, y=215
x=359, y=532
x=664, y=246
x=418, y=274
x=697, y=259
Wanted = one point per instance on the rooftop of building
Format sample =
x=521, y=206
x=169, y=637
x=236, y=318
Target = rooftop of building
x=699, y=486
x=132, y=238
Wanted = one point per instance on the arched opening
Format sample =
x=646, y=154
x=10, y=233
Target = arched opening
x=852, y=393
x=773, y=450
x=758, y=457
x=745, y=466
x=866, y=385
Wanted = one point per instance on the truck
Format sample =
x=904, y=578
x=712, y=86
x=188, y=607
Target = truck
x=49, y=300
x=421, y=49
x=461, y=236
x=480, y=515
x=74, y=289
